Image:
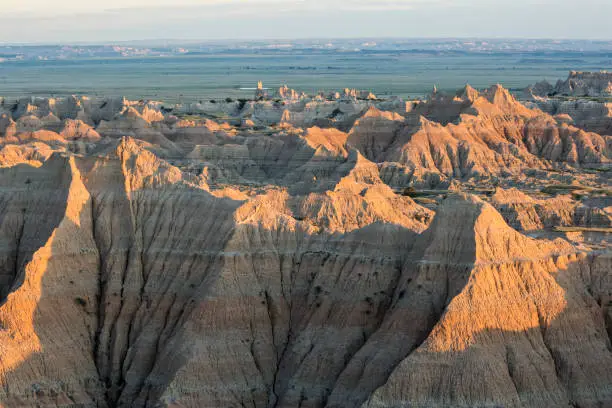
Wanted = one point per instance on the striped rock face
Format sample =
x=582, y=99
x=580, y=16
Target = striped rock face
x=276, y=267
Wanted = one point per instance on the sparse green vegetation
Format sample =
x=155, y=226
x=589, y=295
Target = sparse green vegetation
x=191, y=117
x=582, y=229
x=596, y=170
x=555, y=189
x=577, y=196
x=80, y=301
x=413, y=193
x=409, y=191
x=560, y=188
x=425, y=201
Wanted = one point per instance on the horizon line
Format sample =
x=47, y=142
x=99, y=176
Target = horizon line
x=276, y=39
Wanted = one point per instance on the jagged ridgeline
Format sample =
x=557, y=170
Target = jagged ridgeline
x=306, y=251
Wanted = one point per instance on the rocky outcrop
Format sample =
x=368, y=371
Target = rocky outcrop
x=472, y=135
x=156, y=259
x=76, y=129
x=478, y=140
x=592, y=116
x=33, y=154
x=578, y=84
x=49, y=288
x=494, y=349
x=374, y=132
x=283, y=298
x=469, y=135
x=559, y=142
x=581, y=96
x=525, y=213
x=586, y=84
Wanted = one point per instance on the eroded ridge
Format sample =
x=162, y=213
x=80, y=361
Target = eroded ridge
x=344, y=252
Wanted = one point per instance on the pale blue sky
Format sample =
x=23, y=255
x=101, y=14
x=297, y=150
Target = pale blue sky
x=117, y=20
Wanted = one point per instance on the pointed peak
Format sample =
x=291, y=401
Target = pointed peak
x=468, y=230
x=468, y=93
x=436, y=94
x=286, y=117
x=425, y=123
x=143, y=168
x=498, y=95
x=510, y=196
x=374, y=112
x=503, y=101
x=50, y=119
x=127, y=145
x=129, y=112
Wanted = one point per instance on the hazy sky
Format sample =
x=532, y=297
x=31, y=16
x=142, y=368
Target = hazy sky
x=115, y=20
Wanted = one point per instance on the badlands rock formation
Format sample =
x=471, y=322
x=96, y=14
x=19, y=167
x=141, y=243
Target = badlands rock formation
x=303, y=252
x=589, y=115
x=525, y=213
x=582, y=100
x=577, y=84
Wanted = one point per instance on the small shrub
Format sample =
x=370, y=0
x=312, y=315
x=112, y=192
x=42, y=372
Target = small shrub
x=242, y=103
x=410, y=192
x=80, y=301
